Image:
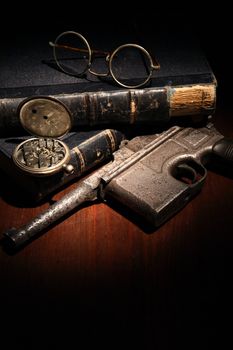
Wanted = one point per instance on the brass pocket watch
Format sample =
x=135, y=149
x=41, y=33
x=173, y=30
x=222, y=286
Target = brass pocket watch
x=45, y=154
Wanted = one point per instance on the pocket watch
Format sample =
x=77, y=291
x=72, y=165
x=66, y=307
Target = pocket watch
x=44, y=154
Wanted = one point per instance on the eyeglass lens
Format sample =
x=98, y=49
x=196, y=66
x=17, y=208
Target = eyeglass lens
x=72, y=53
x=130, y=65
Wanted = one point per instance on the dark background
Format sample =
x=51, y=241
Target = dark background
x=210, y=23
x=180, y=296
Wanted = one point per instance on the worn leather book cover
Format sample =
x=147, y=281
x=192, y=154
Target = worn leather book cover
x=184, y=85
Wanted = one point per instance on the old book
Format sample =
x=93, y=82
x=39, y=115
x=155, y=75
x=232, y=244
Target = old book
x=184, y=85
x=88, y=150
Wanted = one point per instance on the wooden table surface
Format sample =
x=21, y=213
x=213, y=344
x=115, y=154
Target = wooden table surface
x=102, y=278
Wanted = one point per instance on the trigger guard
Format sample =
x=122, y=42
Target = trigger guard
x=189, y=172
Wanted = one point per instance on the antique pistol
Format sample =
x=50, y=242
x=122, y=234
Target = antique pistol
x=154, y=175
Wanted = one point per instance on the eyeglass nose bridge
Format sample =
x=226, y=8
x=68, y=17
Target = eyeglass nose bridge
x=101, y=74
x=107, y=58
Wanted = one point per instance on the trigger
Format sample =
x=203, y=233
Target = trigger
x=186, y=174
x=189, y=172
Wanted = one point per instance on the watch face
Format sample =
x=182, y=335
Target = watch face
x=45, y=117
x=41, y=156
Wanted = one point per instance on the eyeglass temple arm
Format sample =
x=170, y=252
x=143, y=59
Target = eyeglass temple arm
x=67, y=47
x=156, y=64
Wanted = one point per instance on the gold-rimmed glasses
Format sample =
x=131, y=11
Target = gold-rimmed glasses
x=130, y=65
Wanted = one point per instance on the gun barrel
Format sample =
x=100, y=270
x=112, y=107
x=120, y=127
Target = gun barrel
x=82, y=193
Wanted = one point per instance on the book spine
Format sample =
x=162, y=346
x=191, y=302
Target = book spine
x=149, y=105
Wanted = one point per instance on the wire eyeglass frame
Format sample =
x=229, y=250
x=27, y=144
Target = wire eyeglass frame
x=109, y=57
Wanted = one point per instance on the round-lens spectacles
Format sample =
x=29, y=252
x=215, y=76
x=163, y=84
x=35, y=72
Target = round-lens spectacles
x=130, y=65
